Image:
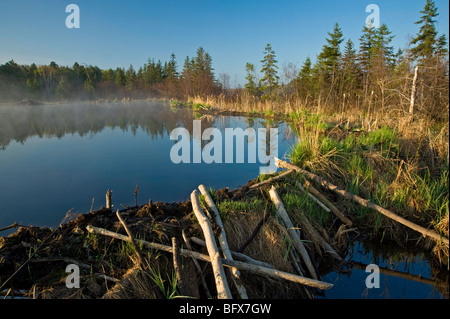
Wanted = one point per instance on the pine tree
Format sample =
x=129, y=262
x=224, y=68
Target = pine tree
x=381, y=48
x=120, y=79
x=304, y=79
x=350, y=68
x=170, y=68
x=204, y=81
x=269, y=81
x=130, y=77
x=366, y=48
x=250, y=86
x=441, y=46
x=424, y=44
x=328, y=60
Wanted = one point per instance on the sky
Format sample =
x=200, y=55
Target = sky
x=117, y=33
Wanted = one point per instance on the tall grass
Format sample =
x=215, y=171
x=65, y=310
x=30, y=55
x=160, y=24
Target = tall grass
x=375, y=165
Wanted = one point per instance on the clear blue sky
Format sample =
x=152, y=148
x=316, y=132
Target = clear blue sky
x=119, y=33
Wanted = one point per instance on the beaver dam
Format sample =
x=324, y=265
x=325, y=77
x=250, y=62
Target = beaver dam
x=250, y=242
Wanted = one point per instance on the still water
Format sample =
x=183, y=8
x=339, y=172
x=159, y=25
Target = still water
x=56, y=158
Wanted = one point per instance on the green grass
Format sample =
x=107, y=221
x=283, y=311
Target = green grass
x=269, y=113
x=191, y=104
x=229, y=206
x=296, y=203
x=366, y=164
x=167, y=285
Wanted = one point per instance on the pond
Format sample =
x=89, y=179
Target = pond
x=56, y=158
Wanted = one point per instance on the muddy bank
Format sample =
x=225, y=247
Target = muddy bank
x=33, y=260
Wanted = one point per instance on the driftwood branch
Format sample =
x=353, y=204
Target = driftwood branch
x=318, y=202
x=108, y=199
x=281, y=212
x=223, y=290
x=272, y=179
x=317, y=238
x=228, y=263
x=15, y=225
x=155, y=288
x=325, y=200
x=197, y=265
x=130, y=235
x=237, y=255
x=255, y=232
x=223, y=242
x=177, y=265
x=364, y=202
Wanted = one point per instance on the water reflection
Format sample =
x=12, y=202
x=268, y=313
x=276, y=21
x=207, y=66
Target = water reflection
x=60, y=157
x=17, y=123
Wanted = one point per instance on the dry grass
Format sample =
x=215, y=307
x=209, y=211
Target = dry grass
x=267, y=246
x=135, y=284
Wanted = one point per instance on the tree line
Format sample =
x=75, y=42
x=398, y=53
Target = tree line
x=153, y=79
x=368, y=75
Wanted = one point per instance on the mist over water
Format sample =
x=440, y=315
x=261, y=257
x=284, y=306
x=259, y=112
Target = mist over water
x=54, y=158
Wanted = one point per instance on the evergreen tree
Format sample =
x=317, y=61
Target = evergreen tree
x=424, y=44
x=269, y=81
x=130, y=77
x=328, y=59
x=120, y=79
x=382, y=39
x=304, y=79
x=251, y=85
x=350, y=68
x=441, y=46
x=170, y=68
x=366, y=48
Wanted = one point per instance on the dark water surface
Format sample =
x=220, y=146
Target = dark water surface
x=56, y=158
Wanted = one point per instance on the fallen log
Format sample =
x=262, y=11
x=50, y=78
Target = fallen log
x=363, y=202
x=255, y=232
x=237, y=255
x=223, y=290
x=272, y=179
x=223, y=242
x=178, y=267
x=317, y=238
x=228, y=263
x=197, y=265
x=142, y=265
x=325, y=200
x=15, y=225
x=318, y=202
x=281, y=212
x=133, y=243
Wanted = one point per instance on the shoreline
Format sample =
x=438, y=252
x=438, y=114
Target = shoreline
x=71, y=241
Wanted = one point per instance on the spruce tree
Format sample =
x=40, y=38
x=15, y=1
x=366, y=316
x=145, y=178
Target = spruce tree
x=304, y=79
x=366, y=48
x=381, y=45
x=269, y=81
x=424, y=44
x=349, y=67
x=251, y=85
x=328, y=60
x=130, y=77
